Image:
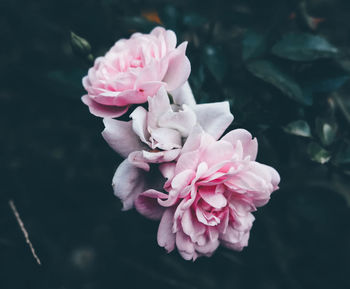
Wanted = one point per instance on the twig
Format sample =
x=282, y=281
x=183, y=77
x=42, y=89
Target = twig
x=24, y=231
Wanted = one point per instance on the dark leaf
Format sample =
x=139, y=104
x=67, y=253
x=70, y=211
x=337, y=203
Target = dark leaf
x=343, y=155
x=81, y=46
x=326, y=130
x=317, y=153
x=253, y=45
x=303, y=47
x=216, y=61
x=271, y=73
x=299, y=128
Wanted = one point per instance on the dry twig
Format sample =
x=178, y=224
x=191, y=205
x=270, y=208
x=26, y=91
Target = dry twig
x=24, y=231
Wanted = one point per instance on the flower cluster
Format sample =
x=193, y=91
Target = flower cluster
x=207, y=185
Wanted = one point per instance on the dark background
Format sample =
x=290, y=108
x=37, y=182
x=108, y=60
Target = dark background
x=57, y=168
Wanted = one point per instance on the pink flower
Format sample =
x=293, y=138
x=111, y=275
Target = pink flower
x=134, y=69
x=211, y=192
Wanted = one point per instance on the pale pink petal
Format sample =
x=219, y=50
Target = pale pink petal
x=101, y=110
x=191, y=226
x=170, y=40
x=179, y=68
x=214, y=118
x=166, y=138
x=181, y=121
x=146, y=204
x=183, y=95
x=165, y=237
x=167, y=170
x=250, y=146
x=208, y=248
x=185, y=246
x=157, y=106
x=139, y=124
x=142, y=158
x=120, y=136
x=128, y=182
x=208, y=194
x=182, y=179
x=217, y=152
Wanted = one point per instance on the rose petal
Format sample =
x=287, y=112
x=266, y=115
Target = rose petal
x=179, y=68
x=128, y=182
x=214, y=118
x=120, y=136
x=146, y=204
x=250, y=146
x=165, y=236
x=101, y=110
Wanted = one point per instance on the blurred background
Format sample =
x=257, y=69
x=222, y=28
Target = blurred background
x=283, y=66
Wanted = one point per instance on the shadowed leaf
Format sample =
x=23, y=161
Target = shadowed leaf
x=271, y=73
x=299, y=128
x=303, y=47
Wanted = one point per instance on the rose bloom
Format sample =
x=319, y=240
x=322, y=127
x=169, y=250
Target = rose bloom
x=134, y=69
x=156, y=135
x=211, y=192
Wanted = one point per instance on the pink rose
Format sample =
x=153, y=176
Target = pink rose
x=210, y=193
x=134, y=69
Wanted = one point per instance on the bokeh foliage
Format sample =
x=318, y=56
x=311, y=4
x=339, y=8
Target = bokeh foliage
x=283, y=66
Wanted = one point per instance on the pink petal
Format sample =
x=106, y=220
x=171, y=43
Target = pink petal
x=208, y=248
x=182, y=180
x=214, y=118
x=101, y=110
x=146, y=204
x=183, y=95
x=208, y=194
x=157, y=106
x=250, y=146
x=191, y=226
x=165, y=236
x=217, y=152
x=185, y=246
x=166, y=138
x=128, y=182
x=181, y=121
x=167, y=170
x=179, y=68
x=120, y=136
x=139, y=124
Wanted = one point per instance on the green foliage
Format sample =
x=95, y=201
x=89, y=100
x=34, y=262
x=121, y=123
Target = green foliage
x=317, y=153
x=303, y=47
x=271, y=73
x=299, y=128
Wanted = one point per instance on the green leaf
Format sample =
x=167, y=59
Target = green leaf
x=343, y=155
x=216, y=61
x=253, y=45
x=271, y=73
x=299, y=128
x=317, y=153
x=326, y=130
x=80, y=45
x=304, y=47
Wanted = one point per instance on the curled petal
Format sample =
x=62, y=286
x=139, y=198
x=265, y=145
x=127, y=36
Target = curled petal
x=101, y=110
x=120, y=136
x=128, y=182
x=214, y=118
